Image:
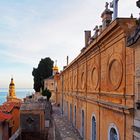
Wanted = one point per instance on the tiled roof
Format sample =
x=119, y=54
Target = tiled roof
x=8, y=106
x=4, y=116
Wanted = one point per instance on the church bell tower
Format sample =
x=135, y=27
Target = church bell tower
x=55, y=68
x=11, y=94
x=12, y=89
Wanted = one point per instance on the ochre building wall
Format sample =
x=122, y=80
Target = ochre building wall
x=100, y=83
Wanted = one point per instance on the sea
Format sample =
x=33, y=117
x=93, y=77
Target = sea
x=20, y=93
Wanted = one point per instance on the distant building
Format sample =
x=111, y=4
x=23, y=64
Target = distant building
x=12, y=94
x=50, y=83
x=5, y=132
x=35, y=119
x=12, y=108
x=55, y=68
x=99, y=90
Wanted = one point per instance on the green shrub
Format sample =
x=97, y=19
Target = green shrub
x=47, y=93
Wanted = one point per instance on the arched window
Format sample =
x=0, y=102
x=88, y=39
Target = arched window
x=67, y=110
x=75, y=116
x=71, y=113
x=113, y=133
x=83, y=124
x=93, y=128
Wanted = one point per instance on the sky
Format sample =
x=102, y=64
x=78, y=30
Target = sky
x=35, y=29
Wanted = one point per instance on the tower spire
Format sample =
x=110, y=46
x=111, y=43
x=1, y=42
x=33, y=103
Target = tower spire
x=55, y=62
x=106, y=5
x=12, y=88
x=55, y=68
x=106, y=17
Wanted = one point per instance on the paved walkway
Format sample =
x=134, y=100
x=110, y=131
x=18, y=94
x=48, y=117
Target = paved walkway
x=64, y=130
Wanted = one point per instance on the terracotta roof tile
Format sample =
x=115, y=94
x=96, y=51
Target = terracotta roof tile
x=5, y=117
x=8, y=106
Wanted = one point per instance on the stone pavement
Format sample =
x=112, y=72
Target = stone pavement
x=63, y=129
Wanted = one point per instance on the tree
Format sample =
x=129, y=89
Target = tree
x=43, y=71
x=47, y=93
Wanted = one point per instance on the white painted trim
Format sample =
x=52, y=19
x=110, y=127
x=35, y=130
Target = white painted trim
x=112, y=125
x=93, y=115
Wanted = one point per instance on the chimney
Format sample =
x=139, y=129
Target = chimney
x=114, y=5
x=100, y=29
x=67, y=60
x=87, y=37
x=106, y=16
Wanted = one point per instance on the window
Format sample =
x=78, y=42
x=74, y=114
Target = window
x=93, y=128
x=75, y=116
x=113, y=133
x=71, y=113
x=67, y=109
x=82, y=124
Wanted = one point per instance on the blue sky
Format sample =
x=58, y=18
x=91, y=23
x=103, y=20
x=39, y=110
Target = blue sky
x=34, y=29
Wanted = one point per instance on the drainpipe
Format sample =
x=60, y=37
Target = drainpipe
x=124, y=124
x=86, y=98
x=62, y=92
x=99, y=91
x=125, y=94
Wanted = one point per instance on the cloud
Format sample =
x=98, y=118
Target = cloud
x=32, y=29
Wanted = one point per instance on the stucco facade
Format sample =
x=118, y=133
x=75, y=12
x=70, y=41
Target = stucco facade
x=49, y=83
x=134, y=43
x=12, y=108
x=97, y=87
x=12, y=93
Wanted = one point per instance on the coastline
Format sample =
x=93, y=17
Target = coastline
x=20, y=93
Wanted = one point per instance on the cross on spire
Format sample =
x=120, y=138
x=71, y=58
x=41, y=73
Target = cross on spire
x=11, y=76
x=55, y=62
x=106, y=5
